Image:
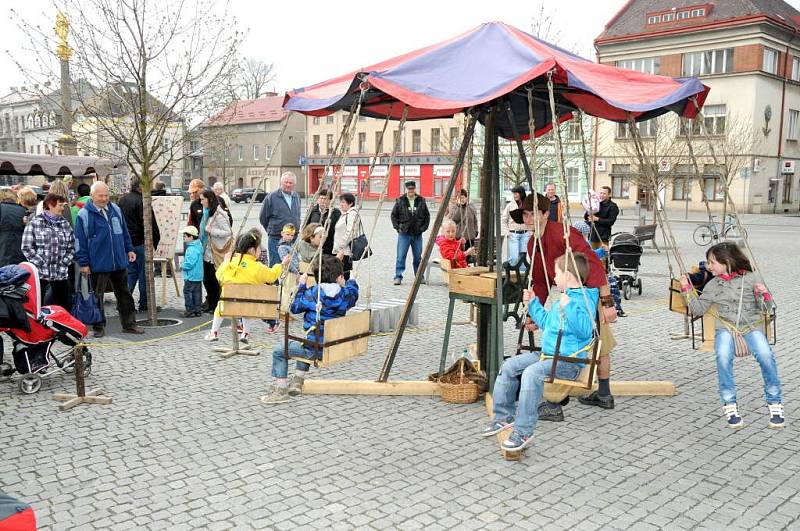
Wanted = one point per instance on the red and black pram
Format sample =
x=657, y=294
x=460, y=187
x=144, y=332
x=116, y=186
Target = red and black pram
x=35, y=329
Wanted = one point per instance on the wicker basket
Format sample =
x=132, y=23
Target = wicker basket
x=458, y=389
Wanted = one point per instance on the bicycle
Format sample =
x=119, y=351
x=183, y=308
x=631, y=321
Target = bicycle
x=705, y=233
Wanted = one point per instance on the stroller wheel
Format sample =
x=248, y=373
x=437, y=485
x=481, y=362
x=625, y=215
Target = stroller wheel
x=639, y=285
x=30, y=384
x=626, y=291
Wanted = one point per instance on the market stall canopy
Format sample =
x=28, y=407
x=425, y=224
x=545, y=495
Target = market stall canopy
x=52, y=165
x=492, y=62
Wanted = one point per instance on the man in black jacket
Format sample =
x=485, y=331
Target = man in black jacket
x=132, y=208
x=319, y=214
x=604, y=219
x=410, y=218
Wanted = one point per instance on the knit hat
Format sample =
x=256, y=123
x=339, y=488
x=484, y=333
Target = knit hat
x=583, y=228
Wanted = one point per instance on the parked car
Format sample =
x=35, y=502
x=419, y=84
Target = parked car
x=245, y=194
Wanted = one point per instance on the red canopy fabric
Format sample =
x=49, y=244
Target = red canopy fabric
x=497, y=63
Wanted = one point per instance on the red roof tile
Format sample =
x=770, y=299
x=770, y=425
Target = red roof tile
x=266, y=109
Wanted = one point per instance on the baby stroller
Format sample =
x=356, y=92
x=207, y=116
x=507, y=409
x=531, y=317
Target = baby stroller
x=624, y=257
x=33, y=341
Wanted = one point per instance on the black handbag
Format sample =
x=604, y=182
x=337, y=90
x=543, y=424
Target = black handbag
x=359, y=247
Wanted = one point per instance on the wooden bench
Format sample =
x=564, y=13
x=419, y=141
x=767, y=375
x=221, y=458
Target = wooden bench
x=646, y=233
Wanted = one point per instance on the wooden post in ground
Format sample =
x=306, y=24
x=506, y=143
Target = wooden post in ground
x=81, y=397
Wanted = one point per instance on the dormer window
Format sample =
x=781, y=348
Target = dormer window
x=672, y=15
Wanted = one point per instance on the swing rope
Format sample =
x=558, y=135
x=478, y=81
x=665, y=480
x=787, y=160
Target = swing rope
x=585, y=155
x=566, y=220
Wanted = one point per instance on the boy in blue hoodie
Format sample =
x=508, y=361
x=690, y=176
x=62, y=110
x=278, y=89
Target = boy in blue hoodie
x=192, y=272
x=337, y=296
x=573, y=316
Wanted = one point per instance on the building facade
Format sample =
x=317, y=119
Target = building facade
x=425, y=153
x=748, y=54
x=236, y=144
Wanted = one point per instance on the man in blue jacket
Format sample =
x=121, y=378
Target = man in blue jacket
x=103, y=249
x=280, y=208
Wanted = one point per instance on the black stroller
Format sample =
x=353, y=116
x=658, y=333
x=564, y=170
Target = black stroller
x=624, y=257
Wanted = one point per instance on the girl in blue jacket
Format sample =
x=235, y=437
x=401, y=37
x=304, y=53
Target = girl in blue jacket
x=337, y=296
x=573, y=316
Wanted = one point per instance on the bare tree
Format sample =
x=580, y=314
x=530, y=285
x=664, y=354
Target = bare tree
x=252, y=79
x=154, y=65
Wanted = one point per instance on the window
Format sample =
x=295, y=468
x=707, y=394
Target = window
x=698, y=12
x=197, y=163
x=574, y=131
x=655, y=19
x=38, y=149
x=379, y=141
x=792, y=129
x=668, y=17
x=362, y=142
x=648, y=65
x=715, y=121
x=573, y=180
x=680, y=189
x=795, y=68
x=770, y=61
x=620, y=187
x=166, y=145
x=454, y=139
x=256, y=151
x=329, y=119
x=315, y=145
x=682, y=15
x=328, y=144
x=315, y=120
x=116, y=146
x=398, y=141
x=240, y=152
x=268, y=152
x=647, y=129
x=787, y=188
x=712, y=188
x=709, y=62
x=194, y=145
x=416, y=140
x=436, y=140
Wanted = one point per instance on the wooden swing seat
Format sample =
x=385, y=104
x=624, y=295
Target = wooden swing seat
x=345, y=338
x=248, y=301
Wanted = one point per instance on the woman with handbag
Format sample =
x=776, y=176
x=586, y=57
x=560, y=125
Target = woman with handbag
x=345, y=232
x=49, y=243
x=217, y=239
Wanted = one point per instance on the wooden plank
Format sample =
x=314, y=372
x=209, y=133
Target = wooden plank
x=709, y=331
x=476, y=285
x=256, y=310
x=503, y=435
x=677, y=302
x=369, y=387
x=342, y=328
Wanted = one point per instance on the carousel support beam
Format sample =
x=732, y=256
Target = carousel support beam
x=426, y=255
x=522, y=156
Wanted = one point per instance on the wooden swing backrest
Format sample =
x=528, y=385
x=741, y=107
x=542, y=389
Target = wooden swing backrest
x=345, y=337
x=246, y=300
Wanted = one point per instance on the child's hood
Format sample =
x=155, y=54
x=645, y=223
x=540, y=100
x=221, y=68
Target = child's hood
x=576, y=296
x=330, y=290
x=193, y=243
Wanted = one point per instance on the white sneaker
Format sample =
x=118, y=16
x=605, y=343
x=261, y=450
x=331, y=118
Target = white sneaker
x=212, y=336
x=775, y=415
x=244, y=337
x=735, y=420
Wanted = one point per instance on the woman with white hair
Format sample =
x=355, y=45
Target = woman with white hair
x=219, y=191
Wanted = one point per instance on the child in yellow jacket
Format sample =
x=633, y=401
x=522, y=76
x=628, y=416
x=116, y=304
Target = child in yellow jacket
x=244, y=268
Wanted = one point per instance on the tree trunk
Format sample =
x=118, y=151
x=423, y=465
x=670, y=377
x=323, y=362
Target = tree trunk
x=150, y=286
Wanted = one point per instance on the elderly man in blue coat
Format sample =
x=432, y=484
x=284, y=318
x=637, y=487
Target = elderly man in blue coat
x=280, y=207
x=103, y=249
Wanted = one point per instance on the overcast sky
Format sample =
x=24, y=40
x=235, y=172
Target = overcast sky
x=312, y=40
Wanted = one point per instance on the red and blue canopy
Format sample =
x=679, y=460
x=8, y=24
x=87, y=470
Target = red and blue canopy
x=493, y=63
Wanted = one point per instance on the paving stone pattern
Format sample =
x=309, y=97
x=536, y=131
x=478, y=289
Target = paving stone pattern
x=186, y=443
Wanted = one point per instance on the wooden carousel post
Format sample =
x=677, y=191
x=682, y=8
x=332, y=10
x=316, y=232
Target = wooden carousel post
x=485, y=235
x=497, y=337
x=426, y=254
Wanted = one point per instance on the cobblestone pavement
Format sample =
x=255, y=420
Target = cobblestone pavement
x=187, y=444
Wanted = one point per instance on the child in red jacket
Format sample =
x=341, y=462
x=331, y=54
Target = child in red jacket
x=450, y=248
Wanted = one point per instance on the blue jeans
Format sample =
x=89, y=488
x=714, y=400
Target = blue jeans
x=517, y=245
x=272, y=248
x=192, y=295
x=280, y=365
x=759, y=347
x=534, y=372
x=136, y=274
x=404, y=241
